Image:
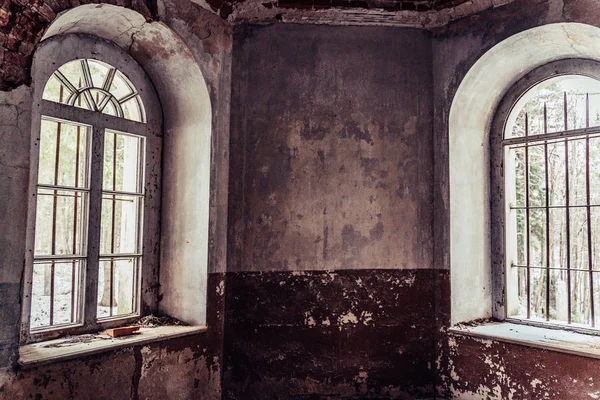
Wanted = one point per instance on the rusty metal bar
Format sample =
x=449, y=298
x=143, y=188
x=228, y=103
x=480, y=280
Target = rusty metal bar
x=551, y=136
x=589, y=211
x=568, y=214
x=552, y=268
x=554, y=207
x=547, y=216
x=112, y=234
x=527, y=216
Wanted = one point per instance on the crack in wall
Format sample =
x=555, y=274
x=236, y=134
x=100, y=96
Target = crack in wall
x=137, y=373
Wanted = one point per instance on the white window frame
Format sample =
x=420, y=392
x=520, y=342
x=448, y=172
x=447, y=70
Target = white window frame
x=74, y=47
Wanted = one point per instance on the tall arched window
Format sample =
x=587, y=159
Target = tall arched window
x=552, y=203
x=93, y=259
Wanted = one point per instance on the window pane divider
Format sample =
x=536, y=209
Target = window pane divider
x=95, y=218
x=119, y=256
x=65, y=113
x=58, y=258
x=65, y=188
x=119, y=193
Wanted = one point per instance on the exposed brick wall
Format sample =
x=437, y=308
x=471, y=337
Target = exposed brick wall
x=23, y=23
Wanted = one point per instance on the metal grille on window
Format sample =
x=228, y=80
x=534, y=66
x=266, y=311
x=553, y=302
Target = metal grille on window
x=552, y=190
x=64, y=200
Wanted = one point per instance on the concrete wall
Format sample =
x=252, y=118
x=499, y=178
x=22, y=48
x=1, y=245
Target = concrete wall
x=330, y=272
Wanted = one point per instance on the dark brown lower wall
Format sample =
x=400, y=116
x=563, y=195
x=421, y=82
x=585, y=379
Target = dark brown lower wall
x=486, y=370
x=330, y=334
x=173, y=369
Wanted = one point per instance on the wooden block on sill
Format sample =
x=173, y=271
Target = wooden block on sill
x=124, y=331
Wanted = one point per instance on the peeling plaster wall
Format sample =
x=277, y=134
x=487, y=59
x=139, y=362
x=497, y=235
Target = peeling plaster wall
x=175, y=369
x=330, y=283
x=491, y=370
x=471, y=368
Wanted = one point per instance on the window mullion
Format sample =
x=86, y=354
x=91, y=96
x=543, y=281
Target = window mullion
x=95, y=214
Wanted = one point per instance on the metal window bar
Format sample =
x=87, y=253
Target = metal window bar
x=567, y=210
x=527, y=219
x=544, y=139
x=547, y=211
x=113, y=220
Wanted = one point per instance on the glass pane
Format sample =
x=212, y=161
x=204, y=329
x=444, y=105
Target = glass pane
x=109, y=109
x=521, y=311
x=73, y=72
x=594, y=109
x=63, y=154
x=576, y=108
x=98, y=96
x=56, y=289
x=521, y=244
x=117, y=287
x=559, y=303
x=40, y=296
x=596, y=277
x=122, y=213
x=538, y=293
x=60, y=224
x=99, y=72
x=556, y=173
x=580, y=298
x=558, y=238
x=537, y=237
x=579, y=238
x=537, y=176
x=518, y=129
x=595, y=170
x=519, y=162
x=577, y=172
x=133, y=110
x=48, y=145
x=54, y=91
x=120, y=88
x=595, y=221
x=122, y=160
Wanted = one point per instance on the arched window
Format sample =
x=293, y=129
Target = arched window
x=94, y=214
x=551, y=151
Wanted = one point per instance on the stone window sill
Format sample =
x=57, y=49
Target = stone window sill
x=562, y=341
x=50, y=351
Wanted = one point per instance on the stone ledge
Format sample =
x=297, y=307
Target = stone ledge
x=33, y=355
x=562, y=341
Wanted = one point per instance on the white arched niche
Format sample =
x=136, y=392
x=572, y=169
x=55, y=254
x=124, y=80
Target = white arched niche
x=187, y=118
x=474, y=293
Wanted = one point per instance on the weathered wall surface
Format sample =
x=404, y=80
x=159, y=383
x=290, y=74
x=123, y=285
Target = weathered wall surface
x=331, y=133
x=487, y=369
x=174, y=369
x=471, y=368
x=330, y=276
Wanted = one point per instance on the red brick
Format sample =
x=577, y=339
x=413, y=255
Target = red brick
x=4, y=17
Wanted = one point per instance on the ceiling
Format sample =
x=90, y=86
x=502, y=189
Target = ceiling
x=416, y=13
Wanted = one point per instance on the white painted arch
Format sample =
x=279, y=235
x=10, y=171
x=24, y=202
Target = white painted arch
x=187, y=126
x=470, y=120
